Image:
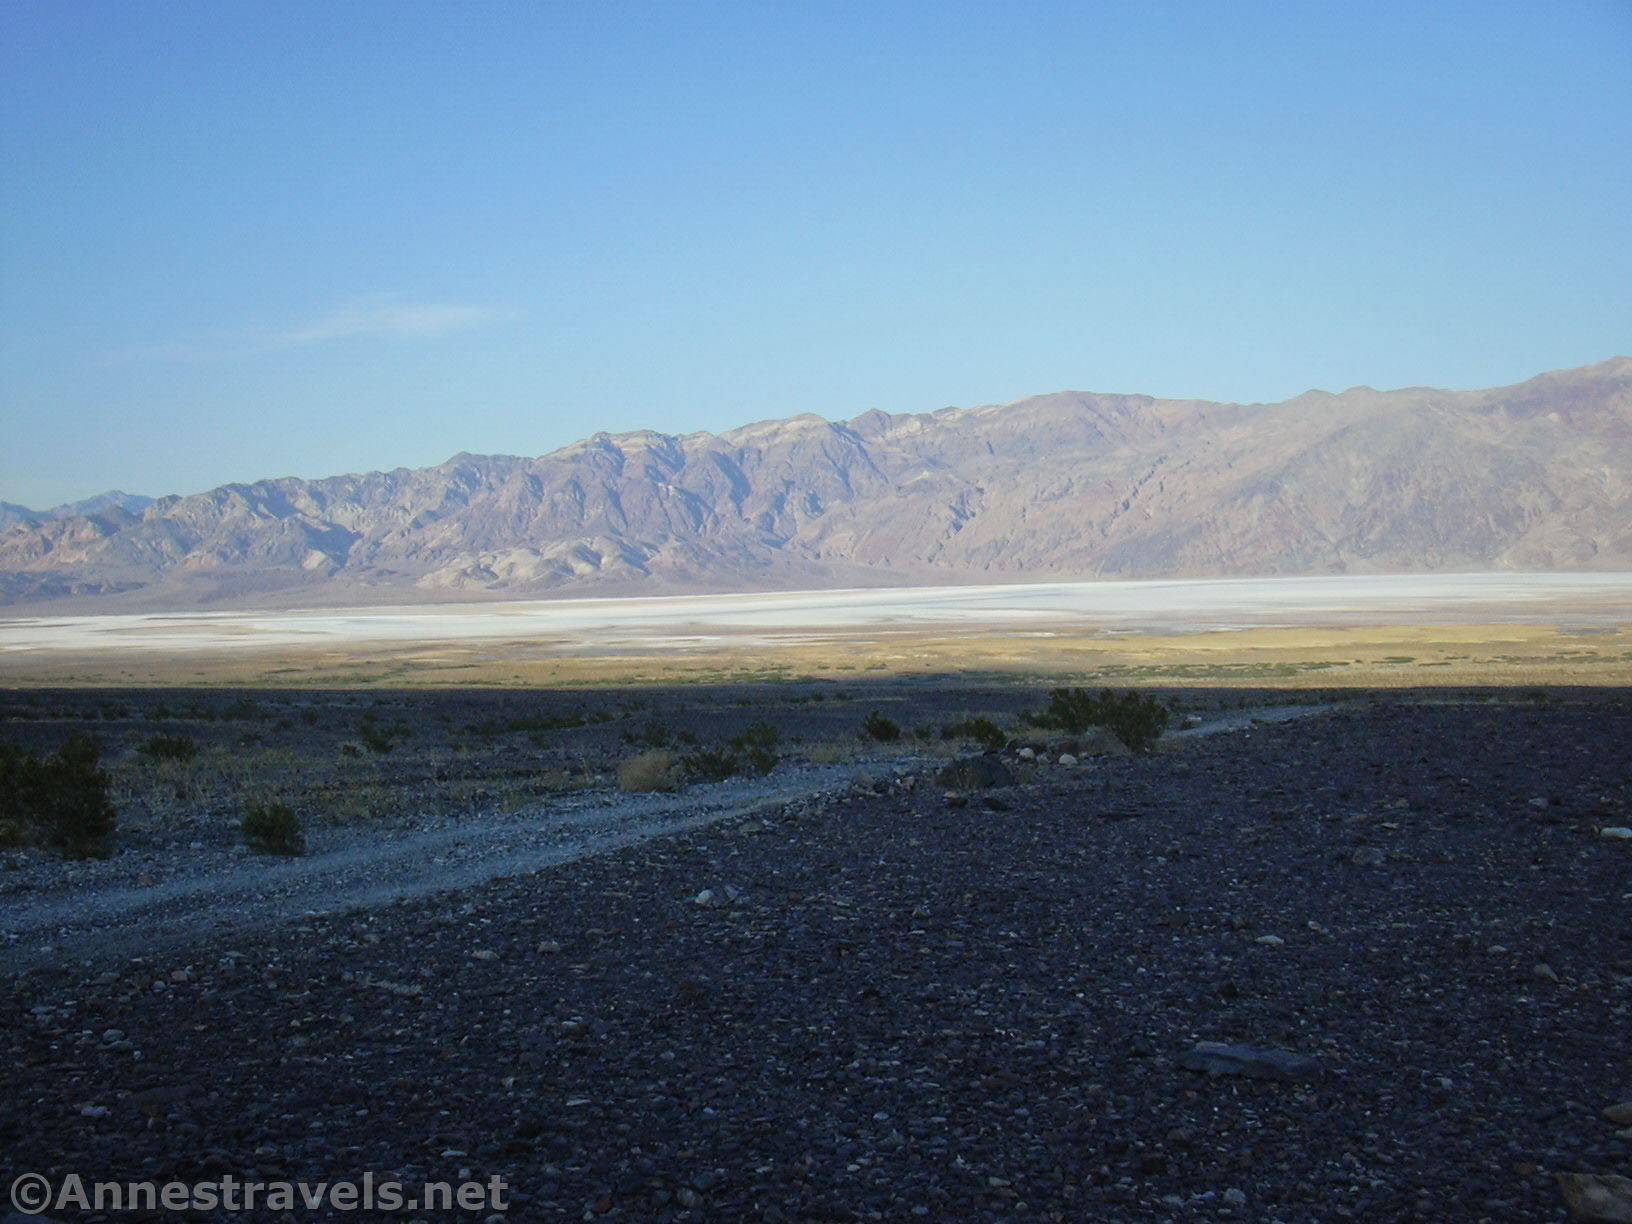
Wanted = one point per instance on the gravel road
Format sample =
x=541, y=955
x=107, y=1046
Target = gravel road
x=217, y=890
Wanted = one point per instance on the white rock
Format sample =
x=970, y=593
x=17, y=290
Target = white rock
x=1270, y=941
x=1028, y=754
x=1617, y=832
x=1067, y=759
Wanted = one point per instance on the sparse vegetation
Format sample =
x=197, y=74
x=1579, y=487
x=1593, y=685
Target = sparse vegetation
x=169, y=747
x=877, y=727
x=754, y=751
x=59, y=801
x=983, y=731
x=1135, y=719
x=654, y=770
x=273, y=828
x=758, y=745
x=710, y=765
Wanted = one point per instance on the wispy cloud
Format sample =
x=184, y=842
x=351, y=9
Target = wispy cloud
x=385, y=318
x=375, y=318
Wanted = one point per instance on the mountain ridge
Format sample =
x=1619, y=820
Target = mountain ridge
x=1067, y=484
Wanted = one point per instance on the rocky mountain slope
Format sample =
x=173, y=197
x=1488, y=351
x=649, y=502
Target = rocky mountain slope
x=1535, y=476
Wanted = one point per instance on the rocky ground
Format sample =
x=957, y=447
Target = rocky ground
x=903, y=1003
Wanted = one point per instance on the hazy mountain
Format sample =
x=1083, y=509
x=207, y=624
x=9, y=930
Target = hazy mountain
x=1536, y=476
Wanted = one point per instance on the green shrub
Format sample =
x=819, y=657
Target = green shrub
x=710, y=765
x=272, y=828
x=60, y=801
x=758, y=744
x=1138, y=721
x=754, y=751
x=170, y=748
x=983, y=731
x=875, y=726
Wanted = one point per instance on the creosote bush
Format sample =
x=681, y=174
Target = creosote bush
x=1138, y=721
x=272, y=828
x=60, y=800
x=876, y=727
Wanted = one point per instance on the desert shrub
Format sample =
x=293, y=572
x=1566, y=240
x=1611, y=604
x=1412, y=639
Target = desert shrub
x=60, y=801
x=1138, y=721
x=983, y=731
x=377, y=739
x=754, y=751
x=710, y=765
x=272, y=828
x=876, y=727
x=757, y=746
x=169, y=747
x=650, y=771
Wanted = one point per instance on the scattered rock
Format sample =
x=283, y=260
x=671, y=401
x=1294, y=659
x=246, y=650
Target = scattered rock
x=1594, y=1198
x=718, y=898
x=1257, y=1062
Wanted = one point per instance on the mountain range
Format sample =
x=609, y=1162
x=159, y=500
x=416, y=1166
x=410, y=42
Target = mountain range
x=1536, y=476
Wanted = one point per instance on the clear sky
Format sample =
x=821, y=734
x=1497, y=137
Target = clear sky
x=247, y=240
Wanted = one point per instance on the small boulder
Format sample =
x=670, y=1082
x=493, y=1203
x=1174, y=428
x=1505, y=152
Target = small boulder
x=1220, y=1058
x=1616, y=833
x=1067, y=758
x=1593, y=1198
x=1027, y=754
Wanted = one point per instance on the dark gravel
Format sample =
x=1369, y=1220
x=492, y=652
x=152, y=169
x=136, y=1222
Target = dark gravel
x=953, y=1011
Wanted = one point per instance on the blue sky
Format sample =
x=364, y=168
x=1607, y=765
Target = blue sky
x=247, y=240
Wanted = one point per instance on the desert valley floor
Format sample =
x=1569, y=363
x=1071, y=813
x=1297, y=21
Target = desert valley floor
x=845, y=988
